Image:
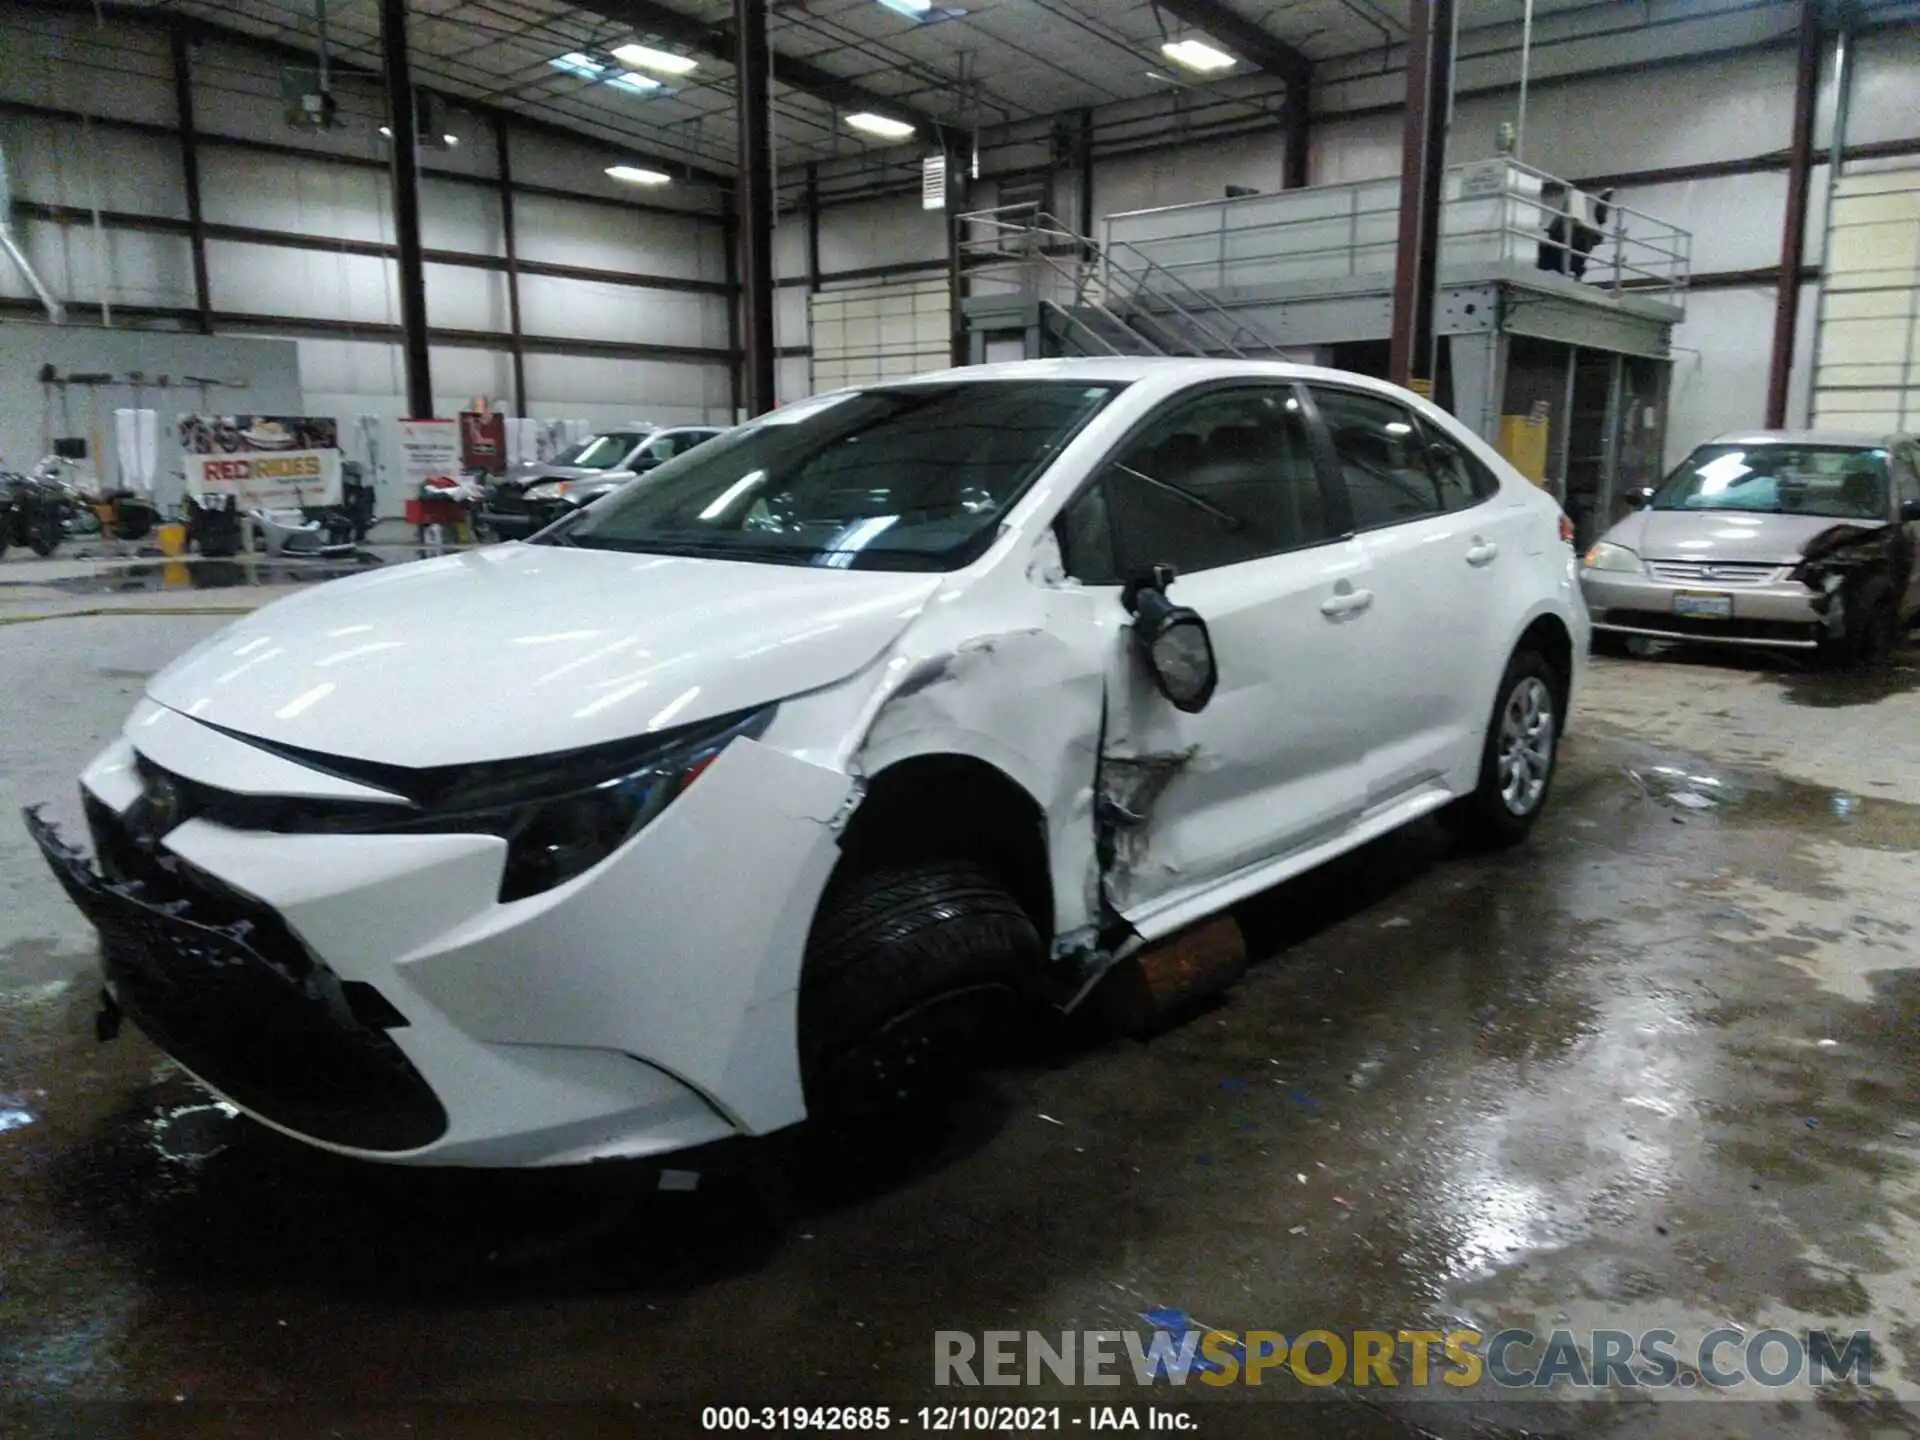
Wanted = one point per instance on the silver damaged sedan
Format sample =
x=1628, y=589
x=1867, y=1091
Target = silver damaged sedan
x=1796, y=539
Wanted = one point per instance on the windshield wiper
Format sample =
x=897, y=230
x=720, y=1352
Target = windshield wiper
x=1180, y=492
x=696, y=550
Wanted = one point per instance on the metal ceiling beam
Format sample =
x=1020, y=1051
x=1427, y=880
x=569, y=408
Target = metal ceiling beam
x=722, y=42
x=197, y=25
x=1271, y=54
x=1244, y=38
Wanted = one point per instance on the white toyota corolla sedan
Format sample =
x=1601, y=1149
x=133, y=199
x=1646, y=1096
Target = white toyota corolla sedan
x=757, y=789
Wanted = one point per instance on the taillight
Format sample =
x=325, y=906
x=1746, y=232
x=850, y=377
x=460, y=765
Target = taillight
x=1566, y=529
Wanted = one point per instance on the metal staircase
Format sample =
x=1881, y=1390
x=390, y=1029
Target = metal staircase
x=1098, y=299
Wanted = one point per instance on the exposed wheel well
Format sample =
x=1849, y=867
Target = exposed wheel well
x=1549, y=637
x=954, y=806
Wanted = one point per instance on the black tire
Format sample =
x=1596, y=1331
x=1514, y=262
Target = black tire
x=44, y=530
x=1871, y=628
x=909, y=969
x=1488, y=817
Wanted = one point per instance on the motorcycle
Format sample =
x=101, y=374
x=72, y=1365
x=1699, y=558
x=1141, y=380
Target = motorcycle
x=42, y=508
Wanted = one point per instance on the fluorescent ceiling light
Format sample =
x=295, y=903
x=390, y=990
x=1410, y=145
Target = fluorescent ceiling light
x=912, y=9
x=1198, y=54
x=588, y=68
x=448, y=140
x=884, y=126
x=648, y=58
x=634, y=175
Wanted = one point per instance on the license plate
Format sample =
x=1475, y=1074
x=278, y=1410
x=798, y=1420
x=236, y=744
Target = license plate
x=1703, y=606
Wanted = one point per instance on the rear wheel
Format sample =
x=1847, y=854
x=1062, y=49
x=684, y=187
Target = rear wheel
x=1516, y=764
x=909, y=970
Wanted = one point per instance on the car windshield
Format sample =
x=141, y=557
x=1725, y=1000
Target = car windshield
x=1839, y=482
x=910, y=477
x=601, y=452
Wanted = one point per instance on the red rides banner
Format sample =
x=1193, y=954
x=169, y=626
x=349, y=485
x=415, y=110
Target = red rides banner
x=266, y=462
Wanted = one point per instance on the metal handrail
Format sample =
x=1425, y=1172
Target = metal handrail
x=1077, y=278
x=1639, y=252
x=1150, y=267
x=1075, y=322
x=1098, y=264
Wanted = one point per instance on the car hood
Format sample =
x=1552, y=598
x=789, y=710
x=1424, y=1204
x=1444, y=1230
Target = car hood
x=521, y=650
x=1731, y=535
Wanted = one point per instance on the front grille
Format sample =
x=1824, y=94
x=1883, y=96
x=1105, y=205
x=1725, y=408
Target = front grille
x=1716, y=573
x=1735, y=629
x=218, y=981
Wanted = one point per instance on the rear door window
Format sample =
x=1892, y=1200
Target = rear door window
x=1381, y=454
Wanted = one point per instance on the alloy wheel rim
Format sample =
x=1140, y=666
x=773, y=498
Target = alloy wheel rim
x=1526, y=745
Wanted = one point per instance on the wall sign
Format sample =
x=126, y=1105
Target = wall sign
x=429, y=450
x=266, y=462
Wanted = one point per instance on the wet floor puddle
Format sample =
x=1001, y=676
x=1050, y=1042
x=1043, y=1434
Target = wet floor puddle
x=1693, y=786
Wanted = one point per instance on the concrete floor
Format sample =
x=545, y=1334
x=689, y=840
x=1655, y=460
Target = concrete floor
x=1656, y=1068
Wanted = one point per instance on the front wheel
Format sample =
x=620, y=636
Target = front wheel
x=45, y=530
x=909, y=969
x=1516, y=765
x=1870, y=627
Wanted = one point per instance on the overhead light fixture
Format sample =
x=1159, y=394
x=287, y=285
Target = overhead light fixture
x=912, y=9
x=885, y=126
x=635, y=175
x=450, y=141
x=648, y=58
x=1198, y=54
x=575, y=62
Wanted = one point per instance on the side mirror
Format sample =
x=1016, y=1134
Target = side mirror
x=1640, y=496
x=1173, y=641
x=1909, y=511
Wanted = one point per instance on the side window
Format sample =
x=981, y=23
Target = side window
x=1085, y=532
x=1464, y=482
x=665, y=448
x=1906, y=474
x=1225, y=477
x=1380, y=452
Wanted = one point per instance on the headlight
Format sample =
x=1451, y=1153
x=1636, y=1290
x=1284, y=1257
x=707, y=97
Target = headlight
x=1608, y=556
x=563, y=814
x=547, y=490
x=579, y=497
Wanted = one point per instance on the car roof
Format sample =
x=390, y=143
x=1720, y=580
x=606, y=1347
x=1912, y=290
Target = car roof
x=1874, y=438
x=1125, y=369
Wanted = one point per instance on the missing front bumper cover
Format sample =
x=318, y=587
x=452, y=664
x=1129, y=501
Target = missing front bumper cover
x=276, y=1032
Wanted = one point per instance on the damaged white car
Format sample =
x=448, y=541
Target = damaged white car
x=755, y=791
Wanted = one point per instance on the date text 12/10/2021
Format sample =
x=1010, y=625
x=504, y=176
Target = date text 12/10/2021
x=947, y=1419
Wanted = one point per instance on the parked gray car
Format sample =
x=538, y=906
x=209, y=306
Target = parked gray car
x=531, y=497
x=1797, y=539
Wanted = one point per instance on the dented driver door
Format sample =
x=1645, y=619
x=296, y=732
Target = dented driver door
x=1224, y=489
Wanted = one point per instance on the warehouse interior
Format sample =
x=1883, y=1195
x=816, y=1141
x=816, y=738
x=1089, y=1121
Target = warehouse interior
x=1655, y=1068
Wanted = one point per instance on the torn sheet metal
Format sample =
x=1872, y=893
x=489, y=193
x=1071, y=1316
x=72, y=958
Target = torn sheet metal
x=1130, y=787
x=1015, y=677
